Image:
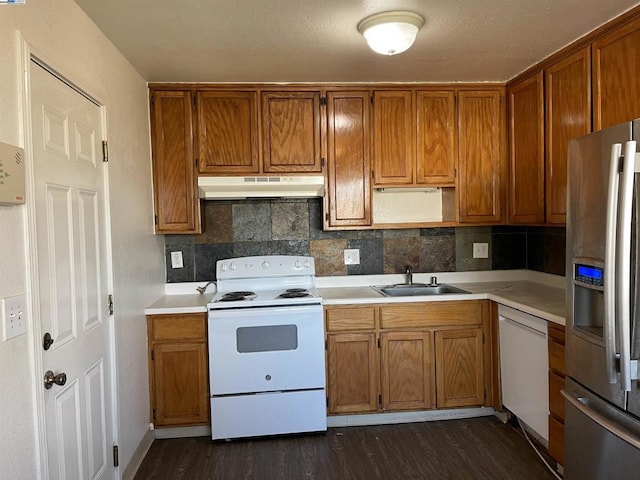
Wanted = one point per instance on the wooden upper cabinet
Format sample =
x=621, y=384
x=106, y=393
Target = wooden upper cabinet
x=481, y=155
x=436, y=147
x=175, y=191
x=348, y=156
x=568, y=115
x=526, y=148
x=291, y=133
x=616, y=76
x=228, y=132
x=393, y=122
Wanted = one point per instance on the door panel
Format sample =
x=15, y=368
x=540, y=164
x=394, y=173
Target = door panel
x=72, y=274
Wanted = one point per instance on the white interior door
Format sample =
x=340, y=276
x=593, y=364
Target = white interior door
x=72, y=276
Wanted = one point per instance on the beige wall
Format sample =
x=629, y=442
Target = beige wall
x=60, y=33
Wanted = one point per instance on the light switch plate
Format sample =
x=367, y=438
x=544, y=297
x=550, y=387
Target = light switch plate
x=14, y=316
x=480, y=250
x=352, y=256
x=176, y=260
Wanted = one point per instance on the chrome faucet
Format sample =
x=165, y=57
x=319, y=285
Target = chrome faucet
x=409, y=273
x=203, y=289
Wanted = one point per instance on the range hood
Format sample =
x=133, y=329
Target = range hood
x=233, y=188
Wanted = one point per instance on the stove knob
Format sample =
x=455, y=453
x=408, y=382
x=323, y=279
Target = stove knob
x=265, y=264
x=307, y=264
x=233, y=266
x=298, y=264
x=224, y=267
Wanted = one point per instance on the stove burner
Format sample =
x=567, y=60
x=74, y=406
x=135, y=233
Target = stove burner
x=296, y=294
x=296, y=290
x=237, y=296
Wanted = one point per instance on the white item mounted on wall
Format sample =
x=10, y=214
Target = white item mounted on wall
x=11, y=175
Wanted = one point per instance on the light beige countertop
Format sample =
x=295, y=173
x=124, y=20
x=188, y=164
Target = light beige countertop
x=543, y=301
x=532, y=294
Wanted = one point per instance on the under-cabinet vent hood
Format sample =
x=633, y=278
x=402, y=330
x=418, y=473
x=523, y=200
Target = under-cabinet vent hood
x=231, y=188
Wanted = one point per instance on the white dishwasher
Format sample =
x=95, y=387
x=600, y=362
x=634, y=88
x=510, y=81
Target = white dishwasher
x=524, y=366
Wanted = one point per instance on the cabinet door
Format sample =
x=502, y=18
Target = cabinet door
x=436, y=152
x=180, y=379
x=616, y=76
x=291, y=132
x=392, y=138
x=174, y=177
x=568, y=115
x=228, y=126
x=481, y=156
x=349, y=160
x=459, y=368
x=526, y=147
x=352, y=384
x=407, y=371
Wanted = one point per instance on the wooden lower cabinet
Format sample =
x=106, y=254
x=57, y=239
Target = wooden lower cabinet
x=408, y=356
x=459, y=367
x=178, y=370
x=352, y=373
x=407, y=370
x=557, y=372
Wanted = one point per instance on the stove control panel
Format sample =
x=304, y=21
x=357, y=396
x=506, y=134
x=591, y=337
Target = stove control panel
x=265, y=266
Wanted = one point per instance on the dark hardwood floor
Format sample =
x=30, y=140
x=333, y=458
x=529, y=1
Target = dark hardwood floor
x=478, y=448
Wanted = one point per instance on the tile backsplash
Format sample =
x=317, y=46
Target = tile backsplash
x=294, y=227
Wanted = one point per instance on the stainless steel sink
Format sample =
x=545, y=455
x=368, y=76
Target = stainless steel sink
x=407, y=290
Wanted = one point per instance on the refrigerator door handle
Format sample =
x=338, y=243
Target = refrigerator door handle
x=609, y=330
x=623, y=267
x=616, y=428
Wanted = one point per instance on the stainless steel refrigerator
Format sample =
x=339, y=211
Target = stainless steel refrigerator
x=602, y=392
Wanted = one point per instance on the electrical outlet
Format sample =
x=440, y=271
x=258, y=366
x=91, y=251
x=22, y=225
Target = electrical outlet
x=352, y=256
x=480, y=250
x=176, y=260
x=14, y=316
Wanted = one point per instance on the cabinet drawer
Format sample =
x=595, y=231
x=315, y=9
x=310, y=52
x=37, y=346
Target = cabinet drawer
x=190, y=326
x=556, y=439
x=556, y=333
x=350, y=318
x=556, y=357
x=431, y=314
x=556, y=400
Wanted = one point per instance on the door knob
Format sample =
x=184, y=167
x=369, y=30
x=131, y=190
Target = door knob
x=47, y=341
x=50, y=379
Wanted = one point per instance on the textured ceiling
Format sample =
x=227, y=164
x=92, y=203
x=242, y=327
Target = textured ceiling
x=317, y=40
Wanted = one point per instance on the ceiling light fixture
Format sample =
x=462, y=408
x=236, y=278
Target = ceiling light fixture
x=390, y=33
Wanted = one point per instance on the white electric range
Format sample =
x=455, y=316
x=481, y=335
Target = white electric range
x=266, y=348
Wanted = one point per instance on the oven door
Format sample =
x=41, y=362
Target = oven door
x=269, y=349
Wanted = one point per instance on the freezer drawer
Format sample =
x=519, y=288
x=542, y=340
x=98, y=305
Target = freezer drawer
x=601, y=441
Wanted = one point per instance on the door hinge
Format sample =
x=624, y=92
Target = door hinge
x=455, y=100
x=455, y=173
x=322, y=162
x=323, y=100
x=327, y=402
x=326, y=345
x=197, y=164
x=116, y=461
x=326, y=216
x=105, y=151
x=371, y=99
x=152, y=100
x=153, y=356
x=110, y=304
x=373, y=175
x=195, y=101
x=380, y=399
x=155, y=219
x=378, y=342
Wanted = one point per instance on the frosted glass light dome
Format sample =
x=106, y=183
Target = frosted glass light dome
x=390, y=33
